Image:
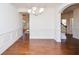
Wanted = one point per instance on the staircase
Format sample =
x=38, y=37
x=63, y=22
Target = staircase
x=63, y=31
x=64, y=36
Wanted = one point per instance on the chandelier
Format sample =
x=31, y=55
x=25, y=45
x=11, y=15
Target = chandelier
x=36, y=11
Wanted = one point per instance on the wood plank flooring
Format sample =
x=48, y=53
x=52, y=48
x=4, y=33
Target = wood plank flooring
x=24, y=46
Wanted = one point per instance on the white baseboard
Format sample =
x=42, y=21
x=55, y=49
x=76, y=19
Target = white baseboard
x=46, y=38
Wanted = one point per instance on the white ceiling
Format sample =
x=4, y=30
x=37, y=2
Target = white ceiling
x=29, y=5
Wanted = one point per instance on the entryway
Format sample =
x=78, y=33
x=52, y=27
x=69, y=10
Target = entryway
x=25, y=23
x=69, y=28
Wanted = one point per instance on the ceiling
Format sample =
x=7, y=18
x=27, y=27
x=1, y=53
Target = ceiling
x=45, y=5
x=29, y=5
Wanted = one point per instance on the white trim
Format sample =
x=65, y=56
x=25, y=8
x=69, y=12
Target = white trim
x=8, y=39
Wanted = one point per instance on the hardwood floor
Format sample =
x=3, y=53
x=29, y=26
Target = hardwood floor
x=24, y=46
x=72, y=44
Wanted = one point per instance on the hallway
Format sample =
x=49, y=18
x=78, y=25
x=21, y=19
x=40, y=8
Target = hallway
x=40, y=47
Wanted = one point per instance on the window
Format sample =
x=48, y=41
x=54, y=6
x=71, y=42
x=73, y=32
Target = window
x=64, y=21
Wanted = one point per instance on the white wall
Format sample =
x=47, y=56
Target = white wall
x=75, y=26
x=43, y=26
x=9, y=19
x=10, y=26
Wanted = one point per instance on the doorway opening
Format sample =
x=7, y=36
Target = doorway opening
x=69, y=25
x=25, y=23
x=66, y=25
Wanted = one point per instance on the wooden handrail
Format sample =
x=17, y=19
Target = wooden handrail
x=64, y=25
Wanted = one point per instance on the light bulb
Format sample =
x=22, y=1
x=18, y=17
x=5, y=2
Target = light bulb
x=33, y=12
x=34, y=8
x=41, y=10
x=29, y=11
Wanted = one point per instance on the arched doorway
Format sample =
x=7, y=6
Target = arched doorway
x=58, y=20
x=69, y=25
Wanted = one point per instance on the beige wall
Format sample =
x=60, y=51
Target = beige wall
x=75, y=26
